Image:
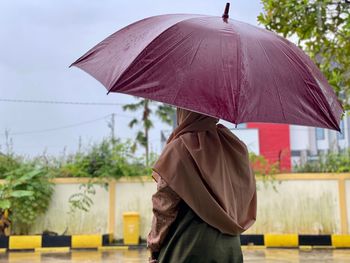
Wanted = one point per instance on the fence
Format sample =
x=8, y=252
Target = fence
x=291, y=203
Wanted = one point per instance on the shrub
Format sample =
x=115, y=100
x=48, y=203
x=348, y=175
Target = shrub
x=327, y=163
x=107, y=159
x=26, y=193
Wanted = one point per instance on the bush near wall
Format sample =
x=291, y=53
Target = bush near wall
x=25, y=195
x=109, y=159
x=327, y=163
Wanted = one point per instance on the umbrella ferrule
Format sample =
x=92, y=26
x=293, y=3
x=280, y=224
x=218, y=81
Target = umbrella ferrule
x=227, y=9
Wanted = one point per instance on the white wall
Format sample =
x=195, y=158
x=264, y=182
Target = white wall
x=304, y=207
x=58, y=219
x=298, y=206
x=344, y=143
x=299, y=137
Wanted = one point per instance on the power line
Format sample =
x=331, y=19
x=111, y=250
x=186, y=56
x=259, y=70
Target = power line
x=61, y=102
x=69, y=126
x=59, y=128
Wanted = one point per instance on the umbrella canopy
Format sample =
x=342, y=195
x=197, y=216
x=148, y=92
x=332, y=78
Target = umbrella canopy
x=216, y=66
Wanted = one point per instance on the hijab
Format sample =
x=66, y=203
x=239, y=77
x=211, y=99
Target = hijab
x=208, y=167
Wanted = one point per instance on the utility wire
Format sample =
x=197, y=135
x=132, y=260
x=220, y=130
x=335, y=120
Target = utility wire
x=68, y=126
x=59, y=128
x=61, y=102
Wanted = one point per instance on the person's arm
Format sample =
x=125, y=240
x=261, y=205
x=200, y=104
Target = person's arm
x=165, y=208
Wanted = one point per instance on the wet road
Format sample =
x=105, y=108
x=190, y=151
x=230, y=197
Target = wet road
x=135, y=256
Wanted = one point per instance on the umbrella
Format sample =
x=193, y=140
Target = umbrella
x=216, y=66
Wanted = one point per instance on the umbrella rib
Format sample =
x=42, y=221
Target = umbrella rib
x=274, y=80
x=239, y=80
x=195, y=53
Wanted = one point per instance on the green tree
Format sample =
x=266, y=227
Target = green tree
x=162, y=111
x=322, y=30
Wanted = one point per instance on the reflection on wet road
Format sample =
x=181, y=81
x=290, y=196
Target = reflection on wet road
x=134, y=256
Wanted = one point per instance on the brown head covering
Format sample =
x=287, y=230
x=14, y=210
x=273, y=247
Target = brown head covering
x=208, y=167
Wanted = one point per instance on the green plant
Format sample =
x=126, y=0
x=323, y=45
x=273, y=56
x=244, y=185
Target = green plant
x=327, y=163
x=83, y=199
x=8, y=160
x=8, y=163
x=26, y=193
x=110, y=158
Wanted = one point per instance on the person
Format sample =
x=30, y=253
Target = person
x=206, y=194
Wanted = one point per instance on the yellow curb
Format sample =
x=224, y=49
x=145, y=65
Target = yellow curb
x=109, y=248
x=24, y=242
x=323, y=247
x=52, y=249
x=3, y=250
x=281, y=240
x=305, y=248
x=253, y=247
x=86, y=241
x=341, y=241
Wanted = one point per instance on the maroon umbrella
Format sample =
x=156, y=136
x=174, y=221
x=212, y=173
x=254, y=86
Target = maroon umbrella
x=217, y=66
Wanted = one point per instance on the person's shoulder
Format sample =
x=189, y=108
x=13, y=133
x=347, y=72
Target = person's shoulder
x=177, y=147
x=173, y=152
x=172, y=145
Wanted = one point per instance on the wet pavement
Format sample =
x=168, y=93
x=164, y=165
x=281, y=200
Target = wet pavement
x=135, y=256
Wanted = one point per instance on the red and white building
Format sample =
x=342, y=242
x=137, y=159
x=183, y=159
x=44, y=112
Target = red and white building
x=292, y=144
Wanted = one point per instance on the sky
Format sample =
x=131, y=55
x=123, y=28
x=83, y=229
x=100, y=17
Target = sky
x=38, y=42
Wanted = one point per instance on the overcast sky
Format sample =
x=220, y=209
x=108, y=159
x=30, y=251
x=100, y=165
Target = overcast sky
x=40, y=39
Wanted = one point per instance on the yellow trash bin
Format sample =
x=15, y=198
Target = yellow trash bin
x=131, y=228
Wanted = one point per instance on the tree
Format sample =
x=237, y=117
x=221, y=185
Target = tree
x=322, y=30
x=162, y=111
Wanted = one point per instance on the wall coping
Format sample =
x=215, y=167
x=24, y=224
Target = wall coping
x=144, y=179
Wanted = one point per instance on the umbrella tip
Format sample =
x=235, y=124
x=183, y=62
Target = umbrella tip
x=227, y=9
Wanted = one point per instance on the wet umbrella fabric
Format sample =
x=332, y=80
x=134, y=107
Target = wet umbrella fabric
x=220, y=67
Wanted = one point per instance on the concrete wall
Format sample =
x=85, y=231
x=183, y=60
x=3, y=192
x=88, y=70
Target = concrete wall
x=59, y=220
x=303, y=207
x=294, y=203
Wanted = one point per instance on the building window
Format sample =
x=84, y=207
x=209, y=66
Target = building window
x=341, y=135
x=320, y=134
